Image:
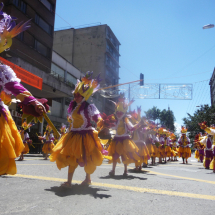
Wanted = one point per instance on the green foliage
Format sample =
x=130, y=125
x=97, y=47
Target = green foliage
x=204, y=113
x=153, y=113
x=166, y=117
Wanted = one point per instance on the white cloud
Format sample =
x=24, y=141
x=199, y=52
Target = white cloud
x=178, y=128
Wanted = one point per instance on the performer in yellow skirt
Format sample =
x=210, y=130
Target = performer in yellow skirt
x=174, y=151
x=48, y=140
x=122, y=145
x=161, y=147
x=11, y=144
x=81, y=146
x=139, y=136
x=25, y=138
x=184, y=148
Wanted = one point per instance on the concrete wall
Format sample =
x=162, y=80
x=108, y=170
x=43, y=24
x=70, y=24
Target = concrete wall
x=89, y=49
x=63, y=43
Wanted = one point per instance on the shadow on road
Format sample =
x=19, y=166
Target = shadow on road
x=119, y=177
x=78, y=190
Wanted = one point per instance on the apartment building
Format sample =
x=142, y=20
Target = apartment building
x=94, y=48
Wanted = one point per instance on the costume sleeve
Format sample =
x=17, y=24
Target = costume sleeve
x=11, y=85
x=130, y=126
x=94, y=113
x=161, y=140
x=180, y=141
x=210, y=131
x=51, y=137
x=203, y=140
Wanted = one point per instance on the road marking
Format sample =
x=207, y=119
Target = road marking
x=175, y=176
x=33, y=164
x=121, y=187
x=148, y=171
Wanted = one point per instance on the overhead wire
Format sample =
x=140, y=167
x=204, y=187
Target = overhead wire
x=130, y=72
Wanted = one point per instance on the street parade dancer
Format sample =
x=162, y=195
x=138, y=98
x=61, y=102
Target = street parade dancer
x=184, y=145
x=63, y=130
x=48, y=141
x=168, y=151
x=208, y=142
x=81, y=146
x=26, y=139
x=149, y=141
x=161, y=147
x=138, y=137
x=199, y=152
x=122, y=145
x=11, y=144
x=174, y=153
x=155, y=142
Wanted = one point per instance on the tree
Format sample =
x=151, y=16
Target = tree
x=166, y=117
x=204, y=113
x=153, y=113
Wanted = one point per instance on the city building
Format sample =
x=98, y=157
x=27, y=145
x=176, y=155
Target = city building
x=42, y=71
x=96, y=49
x=212, y=88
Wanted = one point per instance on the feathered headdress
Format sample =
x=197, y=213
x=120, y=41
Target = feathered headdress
x=87, y=86
x=183, y=130
x=9, y=29
x=122, y=105
x=69, y=119
x=161, y=130
x=172, y=136
x=48, y=128
x=63, y=128
x=26, y=126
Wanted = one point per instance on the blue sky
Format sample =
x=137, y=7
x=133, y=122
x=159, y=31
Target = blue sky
x=163, y=39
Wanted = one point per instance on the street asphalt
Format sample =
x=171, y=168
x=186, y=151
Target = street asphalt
x=172, y=188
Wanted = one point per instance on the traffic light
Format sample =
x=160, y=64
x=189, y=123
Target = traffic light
x=141, y=79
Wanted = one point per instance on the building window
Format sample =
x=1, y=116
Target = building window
x=20, y=36
x=20, y=4
x=44, y=25
x=111, y=64
x=48, y=5
x=57, y=72
x=71, y=79
x=41, y=48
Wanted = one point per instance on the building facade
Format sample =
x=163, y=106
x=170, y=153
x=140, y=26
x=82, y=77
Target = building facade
x=94, y=49
x=32, y=52
x=212, y=88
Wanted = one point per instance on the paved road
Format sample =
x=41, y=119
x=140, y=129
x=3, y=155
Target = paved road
x=172, y=188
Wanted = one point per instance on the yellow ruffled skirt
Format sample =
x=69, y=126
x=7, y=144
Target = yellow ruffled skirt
x=184, y=152
x=83, y=148
x=11, y=145
x=47, y=148
x=197, y=154
x=124, y=147
x=26, y=149
x=174, y=151
x=150, y=148
x=143, y=153
x=212, y=164
x=155, y=153
x=161, y=152
x=168, y=151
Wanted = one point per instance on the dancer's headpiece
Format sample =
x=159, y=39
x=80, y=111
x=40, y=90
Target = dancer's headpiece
x=183, y=130
x=87, y=86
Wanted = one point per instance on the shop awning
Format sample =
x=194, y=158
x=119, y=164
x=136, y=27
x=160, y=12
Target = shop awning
x=24, y=75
